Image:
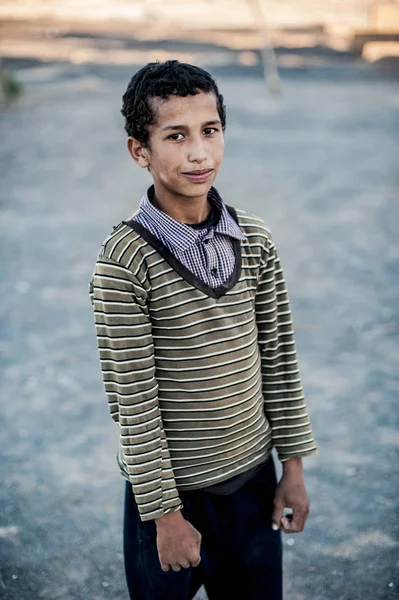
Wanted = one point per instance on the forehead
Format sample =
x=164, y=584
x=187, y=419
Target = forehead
x=185, y=110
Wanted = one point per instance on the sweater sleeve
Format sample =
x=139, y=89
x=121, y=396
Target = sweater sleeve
x=126, y=351
x=284, y=400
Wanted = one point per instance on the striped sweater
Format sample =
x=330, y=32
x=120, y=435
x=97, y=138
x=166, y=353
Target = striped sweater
x=202, y=382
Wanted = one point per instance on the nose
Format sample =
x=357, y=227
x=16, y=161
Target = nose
x=196, y=150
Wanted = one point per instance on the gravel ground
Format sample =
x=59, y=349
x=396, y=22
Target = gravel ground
x=319, y=164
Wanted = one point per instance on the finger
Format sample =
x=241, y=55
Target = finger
x=286, y=525
x=186, y=566
x=196, y=562
x=176, y=567
x=165, y=567
x=286, y=520
x=277, y=514
x=298, y=523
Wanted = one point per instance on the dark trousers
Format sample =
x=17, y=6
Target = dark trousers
x=241, y=556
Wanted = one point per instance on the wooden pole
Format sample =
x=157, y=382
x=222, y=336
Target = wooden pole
x=270, y=69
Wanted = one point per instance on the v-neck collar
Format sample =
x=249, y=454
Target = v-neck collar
x=182, y=270
x=183, y=236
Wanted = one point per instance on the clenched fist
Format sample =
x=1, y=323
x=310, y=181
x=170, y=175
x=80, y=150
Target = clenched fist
x=178, y=542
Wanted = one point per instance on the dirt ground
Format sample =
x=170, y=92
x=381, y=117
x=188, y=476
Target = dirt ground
x=319, y=164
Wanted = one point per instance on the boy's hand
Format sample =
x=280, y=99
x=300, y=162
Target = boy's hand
x=178, y=542
x=291, y=493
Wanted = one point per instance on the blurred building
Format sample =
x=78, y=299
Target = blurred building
x=364, y=27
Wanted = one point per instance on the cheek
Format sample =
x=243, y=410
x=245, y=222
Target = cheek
x=169, y=159
x=219, y=151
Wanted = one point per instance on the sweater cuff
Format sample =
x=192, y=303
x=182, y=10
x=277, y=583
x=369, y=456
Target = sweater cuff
x=297, y=454
x=160, y=512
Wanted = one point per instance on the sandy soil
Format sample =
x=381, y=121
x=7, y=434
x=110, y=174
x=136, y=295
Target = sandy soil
x=319, y=165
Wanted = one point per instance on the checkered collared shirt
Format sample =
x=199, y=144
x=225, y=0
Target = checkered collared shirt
x=209, y=252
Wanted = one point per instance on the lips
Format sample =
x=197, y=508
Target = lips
x=200, y=175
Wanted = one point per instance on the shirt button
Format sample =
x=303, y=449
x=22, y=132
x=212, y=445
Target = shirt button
x=214, y=271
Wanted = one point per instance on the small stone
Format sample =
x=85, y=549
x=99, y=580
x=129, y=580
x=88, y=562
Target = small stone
x=105, y=584
x=14, y=576
x=32, y=381
x=8, y=531
x=291, y=542
x=390, y=584
x=350, y=471
x=23, y=287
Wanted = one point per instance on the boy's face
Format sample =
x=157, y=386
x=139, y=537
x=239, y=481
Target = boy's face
x=186, y=145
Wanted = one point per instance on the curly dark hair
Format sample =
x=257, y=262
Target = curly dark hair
x=162, y=79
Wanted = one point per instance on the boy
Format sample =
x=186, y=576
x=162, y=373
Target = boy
x=198, y=359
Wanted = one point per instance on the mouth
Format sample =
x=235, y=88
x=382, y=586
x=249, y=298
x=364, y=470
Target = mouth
x=199, y=176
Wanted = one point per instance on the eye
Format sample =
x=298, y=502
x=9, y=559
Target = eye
x=175, y=137
x=209, y=130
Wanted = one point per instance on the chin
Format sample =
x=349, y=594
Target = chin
x=197, y=189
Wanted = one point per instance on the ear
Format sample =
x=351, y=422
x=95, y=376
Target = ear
x=138, y=152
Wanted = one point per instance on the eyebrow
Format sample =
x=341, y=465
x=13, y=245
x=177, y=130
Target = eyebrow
x=175, y=127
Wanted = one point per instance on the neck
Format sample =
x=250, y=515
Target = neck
x=182, y=208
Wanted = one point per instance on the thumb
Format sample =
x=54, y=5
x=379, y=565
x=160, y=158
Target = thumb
x=277, y=513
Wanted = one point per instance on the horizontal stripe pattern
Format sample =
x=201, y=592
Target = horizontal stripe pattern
x=202, y=388
x=281, y=382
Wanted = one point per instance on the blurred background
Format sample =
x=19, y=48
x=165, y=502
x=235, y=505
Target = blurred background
x=312, y=94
